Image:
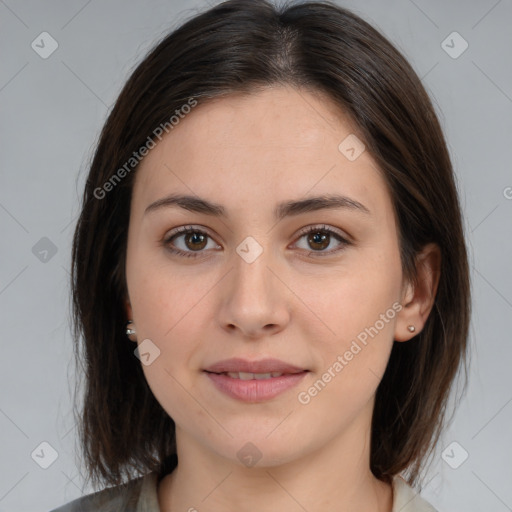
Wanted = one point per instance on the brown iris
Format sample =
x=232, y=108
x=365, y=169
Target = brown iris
x=319, y=240
x=197, y=241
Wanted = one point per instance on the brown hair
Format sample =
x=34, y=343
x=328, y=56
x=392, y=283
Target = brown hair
x=239, y=46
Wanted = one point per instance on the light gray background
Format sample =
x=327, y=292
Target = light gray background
x=52, y=112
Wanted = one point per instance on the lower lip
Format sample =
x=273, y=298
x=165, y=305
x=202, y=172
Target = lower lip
x=255, y=390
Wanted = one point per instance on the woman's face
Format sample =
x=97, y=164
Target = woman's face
x=252, y=284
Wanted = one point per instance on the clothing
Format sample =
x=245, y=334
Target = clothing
x=140, y=495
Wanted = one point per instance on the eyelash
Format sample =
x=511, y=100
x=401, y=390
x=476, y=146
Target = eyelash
x=306, y=231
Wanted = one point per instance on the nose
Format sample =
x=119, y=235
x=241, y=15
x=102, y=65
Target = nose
x=255, y=301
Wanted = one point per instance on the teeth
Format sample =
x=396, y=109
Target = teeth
x=250, y=376
x=261, y=376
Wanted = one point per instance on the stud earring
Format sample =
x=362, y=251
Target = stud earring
x=411, y=328
x=130, y=331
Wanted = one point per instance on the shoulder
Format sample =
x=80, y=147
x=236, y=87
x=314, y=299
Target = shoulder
x=406, y=499
x=133, y=496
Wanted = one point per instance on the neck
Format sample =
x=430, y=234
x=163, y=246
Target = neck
x=333, y=478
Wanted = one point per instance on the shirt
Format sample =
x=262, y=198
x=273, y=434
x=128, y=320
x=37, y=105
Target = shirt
x=140, y=495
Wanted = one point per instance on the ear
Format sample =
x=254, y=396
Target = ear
x=418, y=298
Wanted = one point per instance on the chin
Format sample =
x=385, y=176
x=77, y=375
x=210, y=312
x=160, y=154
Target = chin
x=259, y=450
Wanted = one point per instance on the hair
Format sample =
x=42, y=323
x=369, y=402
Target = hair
x=242, y=46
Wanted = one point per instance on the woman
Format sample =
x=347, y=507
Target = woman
x=271, y=215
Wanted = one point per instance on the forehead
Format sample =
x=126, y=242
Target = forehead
x=259, y=148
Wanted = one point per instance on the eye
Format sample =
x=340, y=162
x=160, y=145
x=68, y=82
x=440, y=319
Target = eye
x=192, y=241
x=321, y=237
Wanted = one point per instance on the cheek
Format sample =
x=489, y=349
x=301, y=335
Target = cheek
x=161, y=296
x=353, y=361
x=174, y=310
x=357, y=308
x=170, y=313
x=353, y=297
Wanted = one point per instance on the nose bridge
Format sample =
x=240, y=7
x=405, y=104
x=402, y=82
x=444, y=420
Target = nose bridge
x=251, y=276
x=254, y=298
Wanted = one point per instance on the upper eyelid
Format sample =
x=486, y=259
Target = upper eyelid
x=183, y=230
x=324, y=227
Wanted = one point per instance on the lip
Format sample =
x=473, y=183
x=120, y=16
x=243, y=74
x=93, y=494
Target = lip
x=255, y=390
x=268, y=365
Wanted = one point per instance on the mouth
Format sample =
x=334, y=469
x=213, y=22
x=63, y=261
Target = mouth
x=254, y=387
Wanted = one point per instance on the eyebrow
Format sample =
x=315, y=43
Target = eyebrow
x=282, y=210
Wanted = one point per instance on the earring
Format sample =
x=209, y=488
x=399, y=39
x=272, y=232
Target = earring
x=130, y=331
x=411, y=328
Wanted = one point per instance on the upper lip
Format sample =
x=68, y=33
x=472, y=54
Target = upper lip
x=262, y=366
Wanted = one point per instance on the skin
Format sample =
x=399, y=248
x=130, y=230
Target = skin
x=248, y=153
